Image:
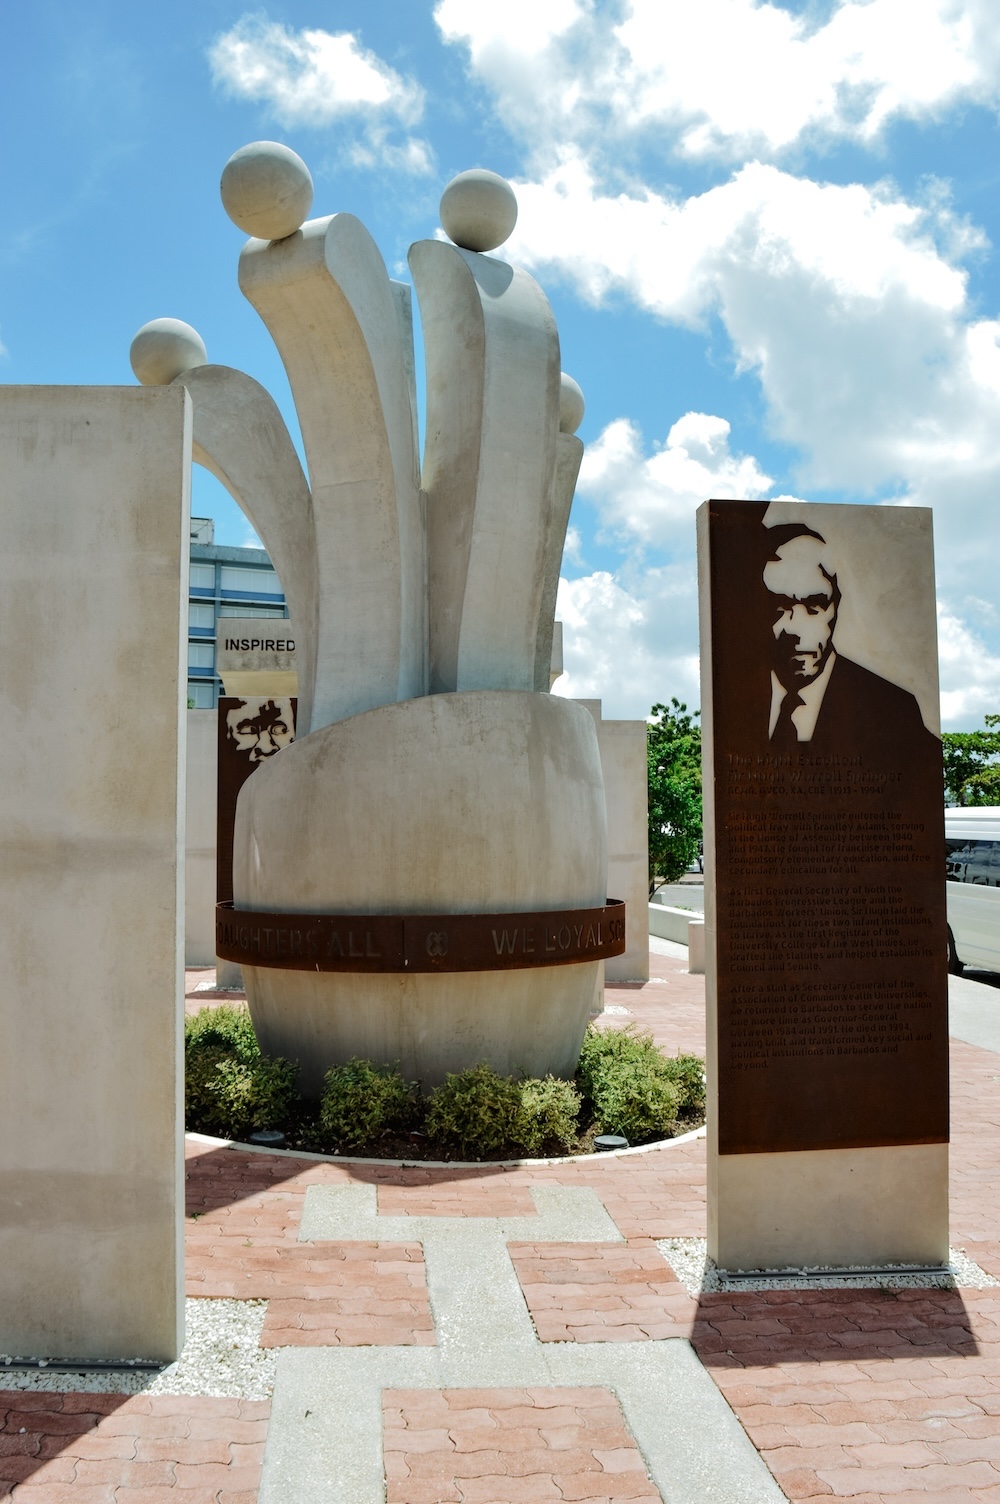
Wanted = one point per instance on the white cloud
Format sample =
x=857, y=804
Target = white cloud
x=316, y=78
x=724, y=78
x=847, y=302
x=573, y=547
x=970, y=673
x=738, y=77
x=632, y=636
x=635, y=642
x=630, y=646
x=519, y=29
x=651, y=500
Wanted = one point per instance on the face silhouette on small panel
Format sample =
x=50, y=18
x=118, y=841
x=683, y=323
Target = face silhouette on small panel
x=259, y=729
x=803, y=600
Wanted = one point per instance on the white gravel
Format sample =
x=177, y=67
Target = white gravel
x=221, y=1358
x=688, y=1257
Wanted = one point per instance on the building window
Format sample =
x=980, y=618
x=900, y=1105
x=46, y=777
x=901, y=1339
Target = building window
x=201, y=655
x=249, y=582
x=203, y=577
x=201, y=696
x=201, y=617
x=252, y=611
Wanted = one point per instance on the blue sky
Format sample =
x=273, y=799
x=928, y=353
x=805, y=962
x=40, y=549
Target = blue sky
x=767, y=231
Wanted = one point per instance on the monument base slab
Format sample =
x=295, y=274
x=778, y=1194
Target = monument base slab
x=844, y=1208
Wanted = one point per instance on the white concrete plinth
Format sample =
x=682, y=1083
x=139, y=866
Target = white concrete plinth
x=696, y=947
x=93, y=615
x=622, y=746
x=481, y=802
x=851, y=1208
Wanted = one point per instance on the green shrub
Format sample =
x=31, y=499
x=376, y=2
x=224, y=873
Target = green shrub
x=230, y=1088
x=233, y=1097
x=477, y=1113
x=630, y=1084
x=259, y=1094
x=550, y=1110
x=361, y=1101
x=202, y=1109
x=226, y=1028
x=688, y=1072
x=628, y=1087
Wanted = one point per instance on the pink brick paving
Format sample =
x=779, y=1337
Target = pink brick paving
x=106, y=1449
x=330, y=1294
x=601, y=1292
x=502, y=1446
x=876, y=1398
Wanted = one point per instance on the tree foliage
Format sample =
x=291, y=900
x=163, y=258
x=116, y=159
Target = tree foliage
x=673, y=755
x=972, y=764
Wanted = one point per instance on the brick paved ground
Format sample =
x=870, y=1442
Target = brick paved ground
x=106, y=1449
x=880, y=1398
x=502, y=1446
x=601, y=1292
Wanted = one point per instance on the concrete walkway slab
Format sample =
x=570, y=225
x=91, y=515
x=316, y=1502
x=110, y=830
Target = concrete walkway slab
x=974, y=1013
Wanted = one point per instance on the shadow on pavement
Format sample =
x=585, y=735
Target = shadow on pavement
x=747, y=1329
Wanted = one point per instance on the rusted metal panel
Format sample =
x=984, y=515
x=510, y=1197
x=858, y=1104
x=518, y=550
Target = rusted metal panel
x=830, y=922
x=252, y=729
x=420, y=942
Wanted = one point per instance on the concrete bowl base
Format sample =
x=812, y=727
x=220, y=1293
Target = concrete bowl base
x=482, y=802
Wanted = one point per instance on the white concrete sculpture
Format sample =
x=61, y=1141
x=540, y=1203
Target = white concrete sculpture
x=433, y=779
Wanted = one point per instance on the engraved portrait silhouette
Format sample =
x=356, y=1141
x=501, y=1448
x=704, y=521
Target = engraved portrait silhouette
x=259, y=728
x=817, y=696
x=251, y=731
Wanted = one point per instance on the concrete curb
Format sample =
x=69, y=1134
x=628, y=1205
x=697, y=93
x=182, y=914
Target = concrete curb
x=445, y=1164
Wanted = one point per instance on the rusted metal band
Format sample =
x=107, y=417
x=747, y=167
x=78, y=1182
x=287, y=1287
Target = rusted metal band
x=419, y=942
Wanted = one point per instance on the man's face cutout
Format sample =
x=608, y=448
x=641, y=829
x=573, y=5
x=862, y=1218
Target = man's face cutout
x=804, y=599
x=259, y=734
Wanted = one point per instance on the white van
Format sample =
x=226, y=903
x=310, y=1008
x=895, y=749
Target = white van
x=972, y=842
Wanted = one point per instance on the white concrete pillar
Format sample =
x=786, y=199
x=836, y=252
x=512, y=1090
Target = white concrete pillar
x=622, y=746
x=93, y=621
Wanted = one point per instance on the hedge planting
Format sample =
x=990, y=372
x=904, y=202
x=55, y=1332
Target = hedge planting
x=624, y=1085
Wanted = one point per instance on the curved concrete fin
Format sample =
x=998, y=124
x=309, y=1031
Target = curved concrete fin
x=569, y=456
x=492, y=355
x=241, y=437
x=327, y=300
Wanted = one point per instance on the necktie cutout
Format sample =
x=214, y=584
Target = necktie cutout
x=784, y=736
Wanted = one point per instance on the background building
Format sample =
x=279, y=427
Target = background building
x=224, y=582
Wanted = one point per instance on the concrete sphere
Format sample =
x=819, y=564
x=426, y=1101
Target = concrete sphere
x=165, y=348
x=478, y=210
x=267, y=190
x=571, y=404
